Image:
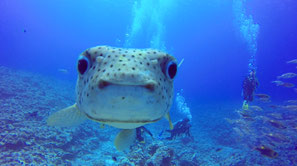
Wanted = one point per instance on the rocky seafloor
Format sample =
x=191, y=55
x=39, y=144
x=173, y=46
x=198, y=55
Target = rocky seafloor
x=27, y=99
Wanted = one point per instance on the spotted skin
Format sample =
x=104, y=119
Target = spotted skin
x=125, y=88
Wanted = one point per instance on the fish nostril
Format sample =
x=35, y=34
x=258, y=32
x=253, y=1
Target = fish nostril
x=103, y=84
x=150, y=87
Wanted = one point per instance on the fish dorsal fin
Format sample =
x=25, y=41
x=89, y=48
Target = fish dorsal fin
x=66, y=117
x=167, y=116
x=125, y=139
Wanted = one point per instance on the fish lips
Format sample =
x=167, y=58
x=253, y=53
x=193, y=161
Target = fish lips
x=148, y=86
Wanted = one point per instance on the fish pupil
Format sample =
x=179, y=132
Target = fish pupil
x=172, y=69
x=82, y=66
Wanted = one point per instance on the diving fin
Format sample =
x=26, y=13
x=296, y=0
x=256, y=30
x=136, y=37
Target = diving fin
x=125, y=139
x=245, y=105
x=66, y=117
x=167, y=116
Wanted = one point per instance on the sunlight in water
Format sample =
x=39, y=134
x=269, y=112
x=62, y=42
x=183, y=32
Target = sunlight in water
x=148, y=23
x=248, y=29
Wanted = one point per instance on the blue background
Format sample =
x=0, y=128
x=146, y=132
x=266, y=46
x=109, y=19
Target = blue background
x=201, y=32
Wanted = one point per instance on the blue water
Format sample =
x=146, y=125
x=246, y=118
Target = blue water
x=220, y=41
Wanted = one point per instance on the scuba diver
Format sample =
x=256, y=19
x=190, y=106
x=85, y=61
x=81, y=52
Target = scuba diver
x=249, y=85
x=181, y=127
x=139, y=134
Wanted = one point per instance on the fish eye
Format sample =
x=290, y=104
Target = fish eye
x=171, y=69
x=83, y=64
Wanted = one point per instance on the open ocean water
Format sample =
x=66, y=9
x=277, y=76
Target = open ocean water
x=216, y=44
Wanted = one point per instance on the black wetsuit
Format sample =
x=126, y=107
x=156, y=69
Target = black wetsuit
x=250, y=84
x=139, y=133
x=181, y=127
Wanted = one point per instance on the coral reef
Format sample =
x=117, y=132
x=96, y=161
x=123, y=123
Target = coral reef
x=26, y=100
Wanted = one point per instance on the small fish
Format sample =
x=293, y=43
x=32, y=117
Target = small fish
x=288, y=85
x=277, y=83
x=287, y=76
x=290, y=107
x=277, y=124
x=65, y=71
x=256, y=108
x=266, y=151
x=274, y=106
x=292, y=61
x=246, y=116
x=262, y=95
x=277, y=138
x=278, y=116
x=292, y=101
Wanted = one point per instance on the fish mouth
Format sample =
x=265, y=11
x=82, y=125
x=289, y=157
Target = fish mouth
x=101, y=120
x=103, y=84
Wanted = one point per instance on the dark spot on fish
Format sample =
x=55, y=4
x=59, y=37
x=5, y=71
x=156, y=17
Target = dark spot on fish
x=123, y=98
x=111, y=66
x=147, y=63
x=133, y=68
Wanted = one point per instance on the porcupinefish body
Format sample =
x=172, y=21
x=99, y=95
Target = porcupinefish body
x=123, y=88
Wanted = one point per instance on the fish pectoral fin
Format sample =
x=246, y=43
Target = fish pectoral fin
x=125, y=139
x=66, y=117
x=167, y=116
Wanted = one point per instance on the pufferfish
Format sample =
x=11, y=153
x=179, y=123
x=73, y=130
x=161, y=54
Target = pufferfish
x=123, y=88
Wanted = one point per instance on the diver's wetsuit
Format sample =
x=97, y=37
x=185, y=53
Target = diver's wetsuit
x=139, y=133
x=250, y=83
x=181, y=127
